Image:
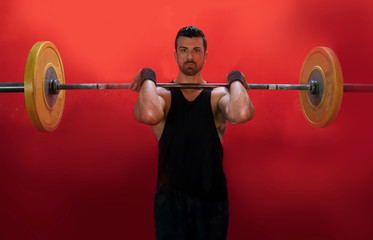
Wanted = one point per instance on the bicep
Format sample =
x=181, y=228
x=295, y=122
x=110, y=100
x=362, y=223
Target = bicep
x=223, y=104
x=164, y=97
x=162, y=103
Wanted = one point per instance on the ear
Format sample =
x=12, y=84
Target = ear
x=175, y=55
x=206, y=55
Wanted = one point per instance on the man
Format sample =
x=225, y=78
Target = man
x=191, y=194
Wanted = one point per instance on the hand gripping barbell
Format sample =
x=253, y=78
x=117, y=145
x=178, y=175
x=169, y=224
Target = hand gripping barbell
x=321, y=86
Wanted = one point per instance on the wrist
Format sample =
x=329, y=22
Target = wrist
x=148, y=74
x=234, y=76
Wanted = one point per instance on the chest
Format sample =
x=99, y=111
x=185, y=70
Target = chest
x=190, y=94
x=185, y=105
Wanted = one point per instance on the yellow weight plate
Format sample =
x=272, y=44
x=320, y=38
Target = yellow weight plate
x=44, y=109
x=321, y=65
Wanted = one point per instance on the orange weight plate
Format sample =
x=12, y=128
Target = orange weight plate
x=43, y=64
x=321, y=65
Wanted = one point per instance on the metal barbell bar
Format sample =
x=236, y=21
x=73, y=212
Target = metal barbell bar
x=19, y=86
x=320, y=87
x=12, y=87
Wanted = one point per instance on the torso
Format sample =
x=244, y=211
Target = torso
x=191, y=95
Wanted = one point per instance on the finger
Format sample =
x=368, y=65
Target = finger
x=245, y=82
x=137, y=87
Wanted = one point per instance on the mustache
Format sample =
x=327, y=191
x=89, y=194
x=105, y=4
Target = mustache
x=190, y=62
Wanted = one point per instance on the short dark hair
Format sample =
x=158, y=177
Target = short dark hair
x=190, y=32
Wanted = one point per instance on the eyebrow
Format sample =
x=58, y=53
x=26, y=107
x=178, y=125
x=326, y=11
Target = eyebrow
x=187, y=47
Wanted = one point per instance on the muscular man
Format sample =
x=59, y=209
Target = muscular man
x=191, y=194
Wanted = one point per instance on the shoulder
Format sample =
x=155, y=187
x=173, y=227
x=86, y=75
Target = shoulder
x=164, y=93
x=220, y=122
x=220, y=90
x=218, y=93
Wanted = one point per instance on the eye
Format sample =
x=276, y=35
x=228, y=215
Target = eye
x=182, y=50
x=197, y=50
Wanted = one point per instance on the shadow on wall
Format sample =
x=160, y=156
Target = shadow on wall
x=348, y=26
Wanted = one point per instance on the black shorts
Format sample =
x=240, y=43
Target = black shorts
x=179, y=216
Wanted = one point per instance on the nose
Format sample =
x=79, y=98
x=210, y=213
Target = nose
x=190, y=55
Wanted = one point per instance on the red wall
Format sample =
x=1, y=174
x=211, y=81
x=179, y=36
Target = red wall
x=94, y=177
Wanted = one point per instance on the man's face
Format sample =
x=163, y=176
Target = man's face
x=190, y=55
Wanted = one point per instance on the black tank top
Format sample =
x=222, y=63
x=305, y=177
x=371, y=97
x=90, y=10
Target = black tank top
x=190, y=151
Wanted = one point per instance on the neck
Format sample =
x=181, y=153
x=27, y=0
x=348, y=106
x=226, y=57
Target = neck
x=182, y=78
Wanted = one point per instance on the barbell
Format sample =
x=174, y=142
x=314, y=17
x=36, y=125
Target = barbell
x=320, y=86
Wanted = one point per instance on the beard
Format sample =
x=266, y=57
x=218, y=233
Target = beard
x=190, y=68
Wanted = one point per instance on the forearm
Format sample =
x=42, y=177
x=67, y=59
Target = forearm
x=148, y=108
x=240, y=108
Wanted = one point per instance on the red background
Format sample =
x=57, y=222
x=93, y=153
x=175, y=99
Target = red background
x=94, y=177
